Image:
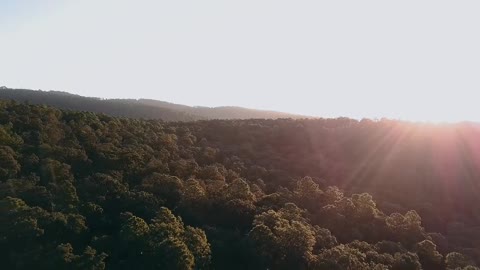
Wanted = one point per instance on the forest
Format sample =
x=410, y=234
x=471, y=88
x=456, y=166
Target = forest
x=82, y=190
x=136, y=108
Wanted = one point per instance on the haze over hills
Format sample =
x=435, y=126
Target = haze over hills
x=137, y=108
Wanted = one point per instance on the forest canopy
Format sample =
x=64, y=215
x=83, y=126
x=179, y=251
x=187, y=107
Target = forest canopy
x=80, y=190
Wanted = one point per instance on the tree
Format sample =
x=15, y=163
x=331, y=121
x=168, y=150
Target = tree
x=64, y=258
x=8, y=137
x=100, y=187
x=430, y=258
x=197, y=243
x=9, y=166
x=455, y=260
x=406, y=228
x=59, y=180
x=211, y=172
x=340, y=257
x=163, y=243
x=323, y=239
x=406, y=261
x=307, y=194
x=283, y=237
x=165, y=187
x=240, y=190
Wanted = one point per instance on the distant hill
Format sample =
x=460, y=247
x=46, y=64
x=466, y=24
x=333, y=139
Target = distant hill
x=137, y=108
x=224, y=112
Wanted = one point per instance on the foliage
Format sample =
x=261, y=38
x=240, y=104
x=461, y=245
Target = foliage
x=80, y=190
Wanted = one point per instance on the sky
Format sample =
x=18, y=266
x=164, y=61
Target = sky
x=412, y=60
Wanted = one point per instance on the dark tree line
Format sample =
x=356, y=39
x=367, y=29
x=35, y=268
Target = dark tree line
x=80, y=190
x=135, y=108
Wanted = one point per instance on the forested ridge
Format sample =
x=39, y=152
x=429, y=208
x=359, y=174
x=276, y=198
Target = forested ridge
x=136, y=108
x=80, y=190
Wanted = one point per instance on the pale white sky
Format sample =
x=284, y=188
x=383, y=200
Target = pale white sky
x=415, y=60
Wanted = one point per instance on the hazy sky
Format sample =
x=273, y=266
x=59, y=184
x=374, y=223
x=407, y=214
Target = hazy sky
x=417, y=60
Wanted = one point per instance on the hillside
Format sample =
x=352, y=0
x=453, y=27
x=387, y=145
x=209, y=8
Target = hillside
x=80, y=190
x=132, y=108
x=224, y=112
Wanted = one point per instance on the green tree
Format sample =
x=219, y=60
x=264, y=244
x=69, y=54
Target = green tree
x=406, y=261
x=284, y=239
x=430, y=258
x=455, y=260
x=165, y=187
x=9, y=166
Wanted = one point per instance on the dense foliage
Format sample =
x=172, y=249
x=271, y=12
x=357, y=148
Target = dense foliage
x=135, y=108
x=80, y=190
